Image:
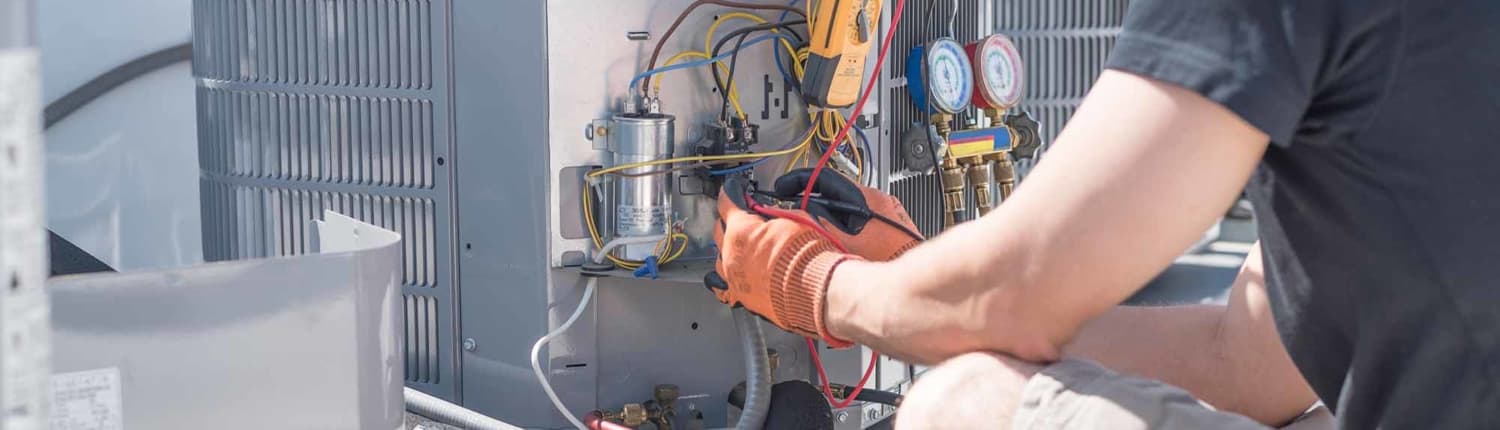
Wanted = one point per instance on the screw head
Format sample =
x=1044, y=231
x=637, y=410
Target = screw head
x=470, y=344
x=843, y=416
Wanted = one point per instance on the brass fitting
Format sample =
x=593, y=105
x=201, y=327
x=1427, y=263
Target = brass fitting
x=980, y=174
x=1005, y=175
x=943, y=123
x=953, y=192
x=634, y=414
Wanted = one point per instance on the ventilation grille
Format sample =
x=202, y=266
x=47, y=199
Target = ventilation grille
x=1065, y=44
x=422, y=353
x=358, y=43
x=384, y=142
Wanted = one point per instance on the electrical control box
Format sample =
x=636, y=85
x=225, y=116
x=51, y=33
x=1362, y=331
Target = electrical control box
x=472, y=128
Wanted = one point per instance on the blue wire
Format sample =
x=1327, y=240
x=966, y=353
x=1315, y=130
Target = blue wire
x=864, y=141
x=691, y=64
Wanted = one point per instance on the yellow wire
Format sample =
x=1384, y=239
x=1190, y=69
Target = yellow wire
x=728, y=157
x=588, y=216
x=734, y=91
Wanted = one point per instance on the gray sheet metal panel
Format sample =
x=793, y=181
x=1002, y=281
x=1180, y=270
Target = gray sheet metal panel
x=23, y=250
x=311, y=105
x=500, y=104
x=307, y=342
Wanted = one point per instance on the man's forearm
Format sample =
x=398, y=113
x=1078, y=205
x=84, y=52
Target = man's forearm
x=1142, y=169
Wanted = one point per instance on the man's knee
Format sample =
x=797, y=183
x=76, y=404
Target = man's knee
x=976, y=390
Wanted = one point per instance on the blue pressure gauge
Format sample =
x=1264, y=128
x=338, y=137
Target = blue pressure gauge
x=940, y=77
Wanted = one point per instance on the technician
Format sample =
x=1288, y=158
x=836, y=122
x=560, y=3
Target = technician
x=1368, y=132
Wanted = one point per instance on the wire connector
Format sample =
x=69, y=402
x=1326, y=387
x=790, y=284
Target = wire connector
x=649, y=269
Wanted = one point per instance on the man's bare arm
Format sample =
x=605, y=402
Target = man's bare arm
x=1140, y=172
x=1229, y=356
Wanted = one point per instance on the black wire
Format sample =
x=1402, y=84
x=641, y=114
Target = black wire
x=882, y=218
x=854, y=209
x=97, y=87
x=868, y=395
x=742, y=33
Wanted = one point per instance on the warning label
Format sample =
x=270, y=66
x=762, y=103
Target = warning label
x=87, y=400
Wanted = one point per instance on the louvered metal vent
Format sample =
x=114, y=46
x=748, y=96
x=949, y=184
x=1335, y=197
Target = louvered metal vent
x=1064, y=44
x=355, y=43
x=307, y=105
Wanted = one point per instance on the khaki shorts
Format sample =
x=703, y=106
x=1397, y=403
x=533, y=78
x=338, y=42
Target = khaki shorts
x=1076, y=394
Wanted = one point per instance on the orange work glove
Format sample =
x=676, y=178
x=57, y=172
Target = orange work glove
x=776, y=268
x=871, y=223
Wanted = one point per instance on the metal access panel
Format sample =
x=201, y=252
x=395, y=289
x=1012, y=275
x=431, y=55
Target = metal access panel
x=556, y=68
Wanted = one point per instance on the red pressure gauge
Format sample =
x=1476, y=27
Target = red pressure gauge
x=1000, y=76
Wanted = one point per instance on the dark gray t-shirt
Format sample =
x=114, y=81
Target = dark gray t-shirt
x=1379, y=198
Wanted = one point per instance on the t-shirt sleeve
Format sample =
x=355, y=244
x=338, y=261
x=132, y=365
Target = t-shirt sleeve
x=1259, y=58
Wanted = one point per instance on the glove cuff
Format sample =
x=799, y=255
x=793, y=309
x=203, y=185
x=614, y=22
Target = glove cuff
x=799, y=302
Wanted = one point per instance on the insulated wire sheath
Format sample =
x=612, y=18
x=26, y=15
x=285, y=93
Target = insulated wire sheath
x=757, y=371
x=656, y=52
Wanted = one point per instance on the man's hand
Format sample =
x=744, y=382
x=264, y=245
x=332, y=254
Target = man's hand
x=776, y=268
x=976, y=390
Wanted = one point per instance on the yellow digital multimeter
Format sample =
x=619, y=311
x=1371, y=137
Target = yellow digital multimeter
x=842, y=33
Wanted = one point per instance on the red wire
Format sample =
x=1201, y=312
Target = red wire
x=885, y=48
x=812, y=347
x=859, y=107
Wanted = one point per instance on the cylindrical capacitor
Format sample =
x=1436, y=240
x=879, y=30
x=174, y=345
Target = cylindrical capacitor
x=980, y=174
x=641, y=206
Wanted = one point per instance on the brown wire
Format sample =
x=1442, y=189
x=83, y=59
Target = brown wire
x=656, y=53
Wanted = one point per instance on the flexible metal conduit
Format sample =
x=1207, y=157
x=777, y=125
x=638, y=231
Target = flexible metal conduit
x=757, y=371
x=441, y=411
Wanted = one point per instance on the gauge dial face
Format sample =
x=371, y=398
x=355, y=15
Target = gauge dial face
x=949, y=76
x=1002, y=74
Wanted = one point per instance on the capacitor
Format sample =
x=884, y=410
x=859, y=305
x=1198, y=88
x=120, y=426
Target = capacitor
x=641, y=202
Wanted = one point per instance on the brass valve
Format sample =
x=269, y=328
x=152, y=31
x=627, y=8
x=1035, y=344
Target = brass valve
x=943, y=123
x=980, y=174
x=953, y=192
x=1005, y=174
x=634, y=414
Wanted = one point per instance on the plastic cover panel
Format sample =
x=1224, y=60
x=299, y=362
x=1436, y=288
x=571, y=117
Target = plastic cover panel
x=306, y=342
x=305, y=106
